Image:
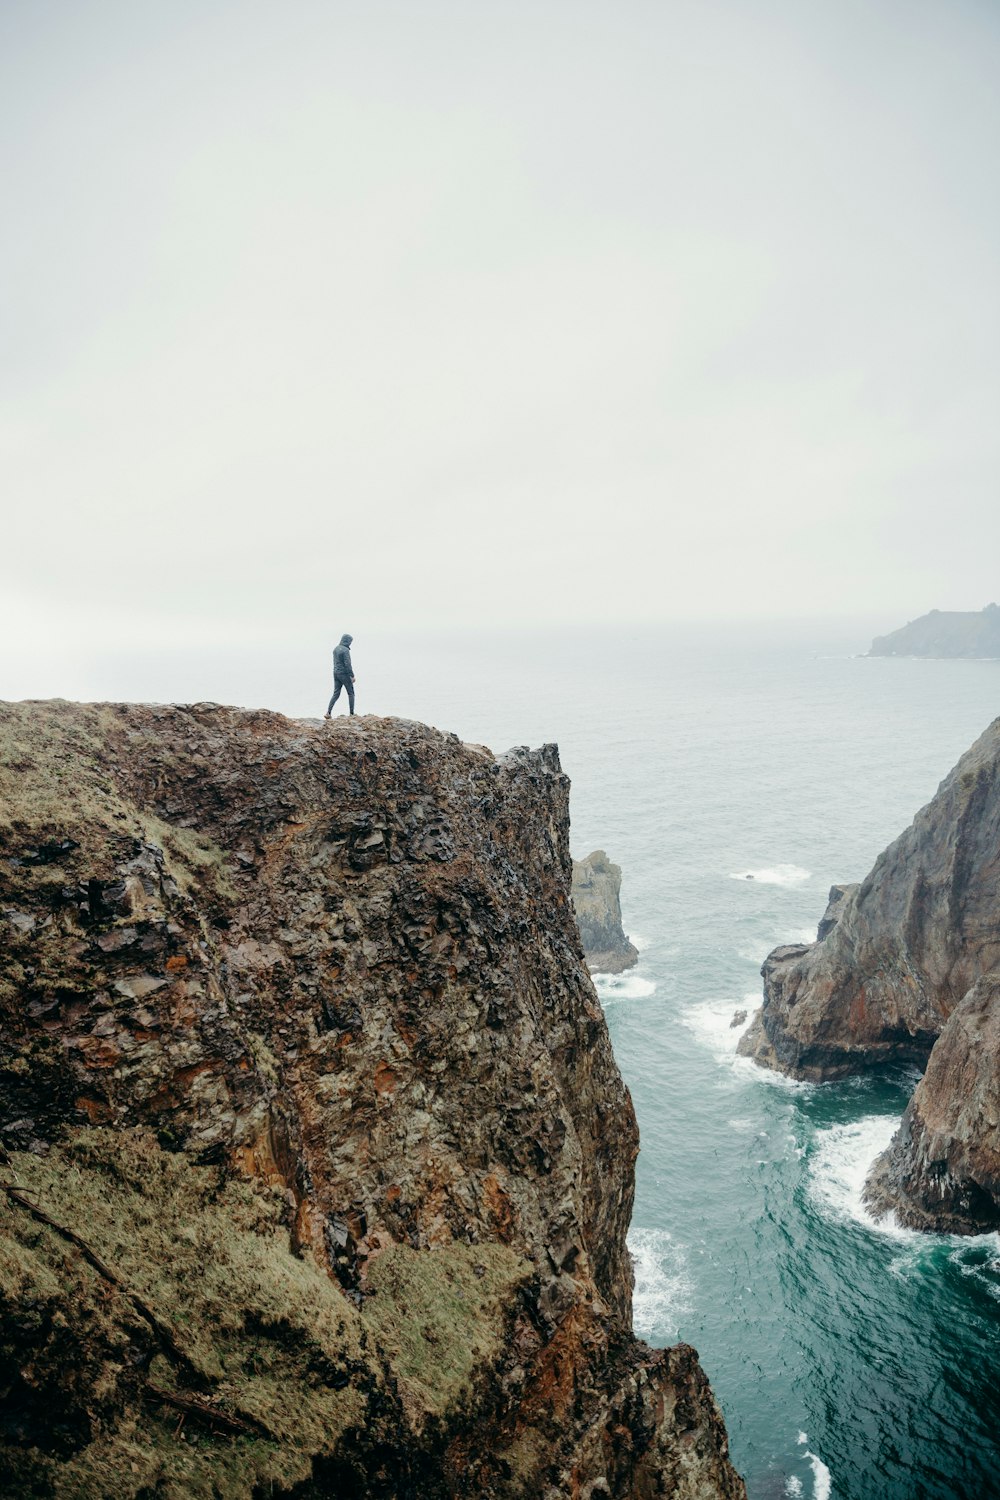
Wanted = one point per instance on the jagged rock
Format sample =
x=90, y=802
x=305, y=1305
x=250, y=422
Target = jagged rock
x=739, y=1019
x=296, y=1039
x=899, y=950
x=597, y=887
x=945, y=633
x=906, y=969
x=942, y=1169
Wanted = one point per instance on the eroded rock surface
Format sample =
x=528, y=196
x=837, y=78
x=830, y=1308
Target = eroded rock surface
x=942, y=1170
x=899, y=950
x=597, y=887
x=906, y=970
x=320, y=1165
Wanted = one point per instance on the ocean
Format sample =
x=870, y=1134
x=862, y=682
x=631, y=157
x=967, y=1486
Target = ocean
x=851, y=1359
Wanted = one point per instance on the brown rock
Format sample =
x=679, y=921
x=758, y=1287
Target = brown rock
x=384, y=1021
x=942, y=1169
x=898, y=952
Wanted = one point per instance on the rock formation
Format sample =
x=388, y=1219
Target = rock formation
x=942, y=1169
x=317, y=1166
x=905, y=970
x=945, y=633
x=597, y=887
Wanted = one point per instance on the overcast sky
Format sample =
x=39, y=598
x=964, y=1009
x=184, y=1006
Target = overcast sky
x=333, y=315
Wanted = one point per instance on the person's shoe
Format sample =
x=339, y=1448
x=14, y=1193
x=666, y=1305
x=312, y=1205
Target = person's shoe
x=328, y=716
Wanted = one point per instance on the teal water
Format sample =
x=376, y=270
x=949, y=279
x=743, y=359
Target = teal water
x=851, y=1361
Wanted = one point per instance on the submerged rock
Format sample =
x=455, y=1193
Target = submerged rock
x=597, y=887
x=905, y=970
x=320, y=1166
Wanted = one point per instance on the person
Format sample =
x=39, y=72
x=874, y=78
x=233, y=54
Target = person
x=343, y=673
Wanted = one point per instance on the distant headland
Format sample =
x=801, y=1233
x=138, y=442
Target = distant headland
x=945, y=632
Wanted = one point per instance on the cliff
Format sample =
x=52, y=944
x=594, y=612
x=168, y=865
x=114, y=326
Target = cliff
x=596, y=893
x=905, y=972
x=318, y=1165
x=945, y=633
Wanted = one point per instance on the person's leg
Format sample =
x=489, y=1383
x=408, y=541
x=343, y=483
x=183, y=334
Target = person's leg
x=350, y=694
x=337, y=685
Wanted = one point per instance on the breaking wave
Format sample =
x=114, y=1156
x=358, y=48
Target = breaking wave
x=623, y=987
x=840, y=1163
x=711, y=1021
x=662, y=1286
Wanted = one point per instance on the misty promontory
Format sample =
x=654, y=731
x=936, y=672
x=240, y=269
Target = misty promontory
x=945, y=633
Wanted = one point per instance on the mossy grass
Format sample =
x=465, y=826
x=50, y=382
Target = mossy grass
x=265, y=1333
x=57, y=782
x=440, y=1315
x=271, y=1336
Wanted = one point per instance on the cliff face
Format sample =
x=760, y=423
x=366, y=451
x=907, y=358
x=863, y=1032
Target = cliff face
x=596, y=888
x=320, y=1163
x=947, y=633
x=942, y=1169
x=905, y=972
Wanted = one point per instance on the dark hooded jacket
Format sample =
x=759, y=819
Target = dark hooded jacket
x=342, y=668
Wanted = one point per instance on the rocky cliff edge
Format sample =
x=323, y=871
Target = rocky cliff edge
x=905, y=972
x=317, y=1163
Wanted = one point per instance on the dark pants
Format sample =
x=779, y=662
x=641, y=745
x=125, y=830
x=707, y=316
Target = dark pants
x=348, y=686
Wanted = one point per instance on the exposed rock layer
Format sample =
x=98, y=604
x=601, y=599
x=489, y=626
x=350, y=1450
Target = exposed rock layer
x=905, y=972
x=946, y=633
x=597, y=887
x=317, y=1142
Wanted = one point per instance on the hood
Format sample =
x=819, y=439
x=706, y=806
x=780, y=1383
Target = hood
x=345, y=640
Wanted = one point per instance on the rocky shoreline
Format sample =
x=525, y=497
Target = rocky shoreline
x=905, y=970
x=318, y=1165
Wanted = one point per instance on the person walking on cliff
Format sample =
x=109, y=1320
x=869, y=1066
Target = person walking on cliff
x=343, y=674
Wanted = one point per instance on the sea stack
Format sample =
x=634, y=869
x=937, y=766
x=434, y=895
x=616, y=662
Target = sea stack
x=317, y=1163
x=597, y=887
x=906, y=970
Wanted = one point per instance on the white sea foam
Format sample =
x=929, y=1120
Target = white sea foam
x=775, y=875
x=978, y=1257
x=712, y=1023
x=822, y=1478
x=623, y=987
x=840, y=1163
x=640, y=944
x=662, y=1294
